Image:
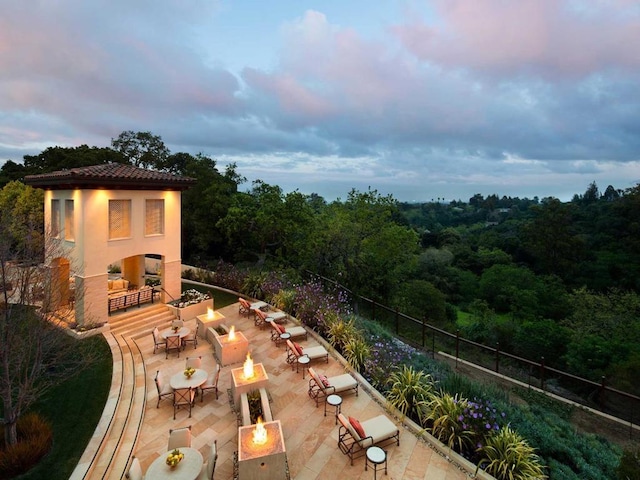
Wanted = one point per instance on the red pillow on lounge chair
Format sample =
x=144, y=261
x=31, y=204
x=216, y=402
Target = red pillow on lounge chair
x=357, y=427
x=324, y=380
x=298, y=348
x=280, y=328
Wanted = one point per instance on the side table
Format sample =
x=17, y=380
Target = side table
x=304, y=361
x=335, y=401
x=284, y=337
x=376, y=456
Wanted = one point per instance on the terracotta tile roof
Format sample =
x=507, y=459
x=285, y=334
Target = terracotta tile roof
x=109, y=175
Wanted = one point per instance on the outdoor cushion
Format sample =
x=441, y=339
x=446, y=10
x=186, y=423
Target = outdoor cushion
x=279, y=327
x=316, y=352
x=324, y=380
x=379, y=428
x=357, y=426
x=298, y=348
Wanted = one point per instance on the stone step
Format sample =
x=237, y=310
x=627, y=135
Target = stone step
x=110, y=446
x=141, y=322
x=130, y=431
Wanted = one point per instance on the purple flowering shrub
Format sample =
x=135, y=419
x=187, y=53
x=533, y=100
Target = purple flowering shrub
x=229, y=276
x=312, y=304
x=481, y=418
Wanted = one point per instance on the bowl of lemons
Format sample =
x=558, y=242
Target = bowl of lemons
x=174, y=458
x=189, y=371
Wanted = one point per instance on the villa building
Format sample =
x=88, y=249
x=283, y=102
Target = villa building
x=110, y=215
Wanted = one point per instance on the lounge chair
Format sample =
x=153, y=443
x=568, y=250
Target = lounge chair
x=355, y=437
x=247, y=308
x=320, y=386
x=260, y=318
x=295, y=351
x=294, y=332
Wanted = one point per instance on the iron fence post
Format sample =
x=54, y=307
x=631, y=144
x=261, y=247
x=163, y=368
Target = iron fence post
x=497, y=357
x=433, y=344
x=397, y=320
x=457, y=346
x=424, y=331
x=603, y=392
x=542, y=373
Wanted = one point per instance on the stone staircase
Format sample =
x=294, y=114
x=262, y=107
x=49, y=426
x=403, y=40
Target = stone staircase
x=107, y=455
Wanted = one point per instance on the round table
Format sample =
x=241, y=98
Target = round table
x=182, y=332
x=284, y=337
x=376, y=456
x=188, y=469
x=180, y=380
x=304, y=361
x=335, y=401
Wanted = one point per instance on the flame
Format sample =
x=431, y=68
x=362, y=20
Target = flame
x=232, y=333
x=259, y=433
x=209, y=313
x=248, y=367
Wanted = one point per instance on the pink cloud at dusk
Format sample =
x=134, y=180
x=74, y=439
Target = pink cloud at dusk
x=551, y=38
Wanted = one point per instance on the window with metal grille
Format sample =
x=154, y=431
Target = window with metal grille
x=154, y=220
x=69, y=233
x=55, y=218
x=119, y=219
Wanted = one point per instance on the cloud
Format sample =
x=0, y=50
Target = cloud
x=456, y=94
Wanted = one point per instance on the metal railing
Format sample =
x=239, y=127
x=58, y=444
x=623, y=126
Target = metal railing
x=430, y=339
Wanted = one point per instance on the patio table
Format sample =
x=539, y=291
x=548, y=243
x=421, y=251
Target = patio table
x=188, y=469
x=180, y=380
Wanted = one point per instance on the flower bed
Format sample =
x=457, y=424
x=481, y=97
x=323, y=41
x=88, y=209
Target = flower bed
x=191, y=304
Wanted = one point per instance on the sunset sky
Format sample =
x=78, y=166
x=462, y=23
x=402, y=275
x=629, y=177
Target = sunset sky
x=418, y=99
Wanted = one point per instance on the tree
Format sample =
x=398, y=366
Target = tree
x=142, y=149
x=36, y=354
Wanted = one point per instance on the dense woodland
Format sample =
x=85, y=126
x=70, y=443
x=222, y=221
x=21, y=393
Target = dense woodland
x=540, y=276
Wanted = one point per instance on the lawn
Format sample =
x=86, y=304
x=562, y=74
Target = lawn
x=74, y=409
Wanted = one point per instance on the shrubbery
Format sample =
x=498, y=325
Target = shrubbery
x=34, y=442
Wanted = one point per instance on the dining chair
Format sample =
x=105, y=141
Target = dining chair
x=183, y=397
x=135, y=470
x=173, y=343
x=158, y=341
x=164, y=389
x=179, y=438
x=209, y=467
x=211, y=383
x=190, y=338
x=177, y=324
x=193, y=362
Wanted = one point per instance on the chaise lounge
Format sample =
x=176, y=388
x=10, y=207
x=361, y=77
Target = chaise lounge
x=294, y=332
x=295, y=351
x=355, y=437
x=320, y=386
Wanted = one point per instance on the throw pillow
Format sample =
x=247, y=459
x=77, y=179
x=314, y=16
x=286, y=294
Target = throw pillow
x=325, y=381
x=357, y=427
x=280, y=328
x=298, y=348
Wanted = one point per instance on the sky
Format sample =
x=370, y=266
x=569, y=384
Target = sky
x=422, y=100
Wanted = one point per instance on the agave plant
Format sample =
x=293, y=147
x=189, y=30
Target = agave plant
x=409, y=391
x=356, y=351
x=339, y=331
x=508, y=456
x=444, y=413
